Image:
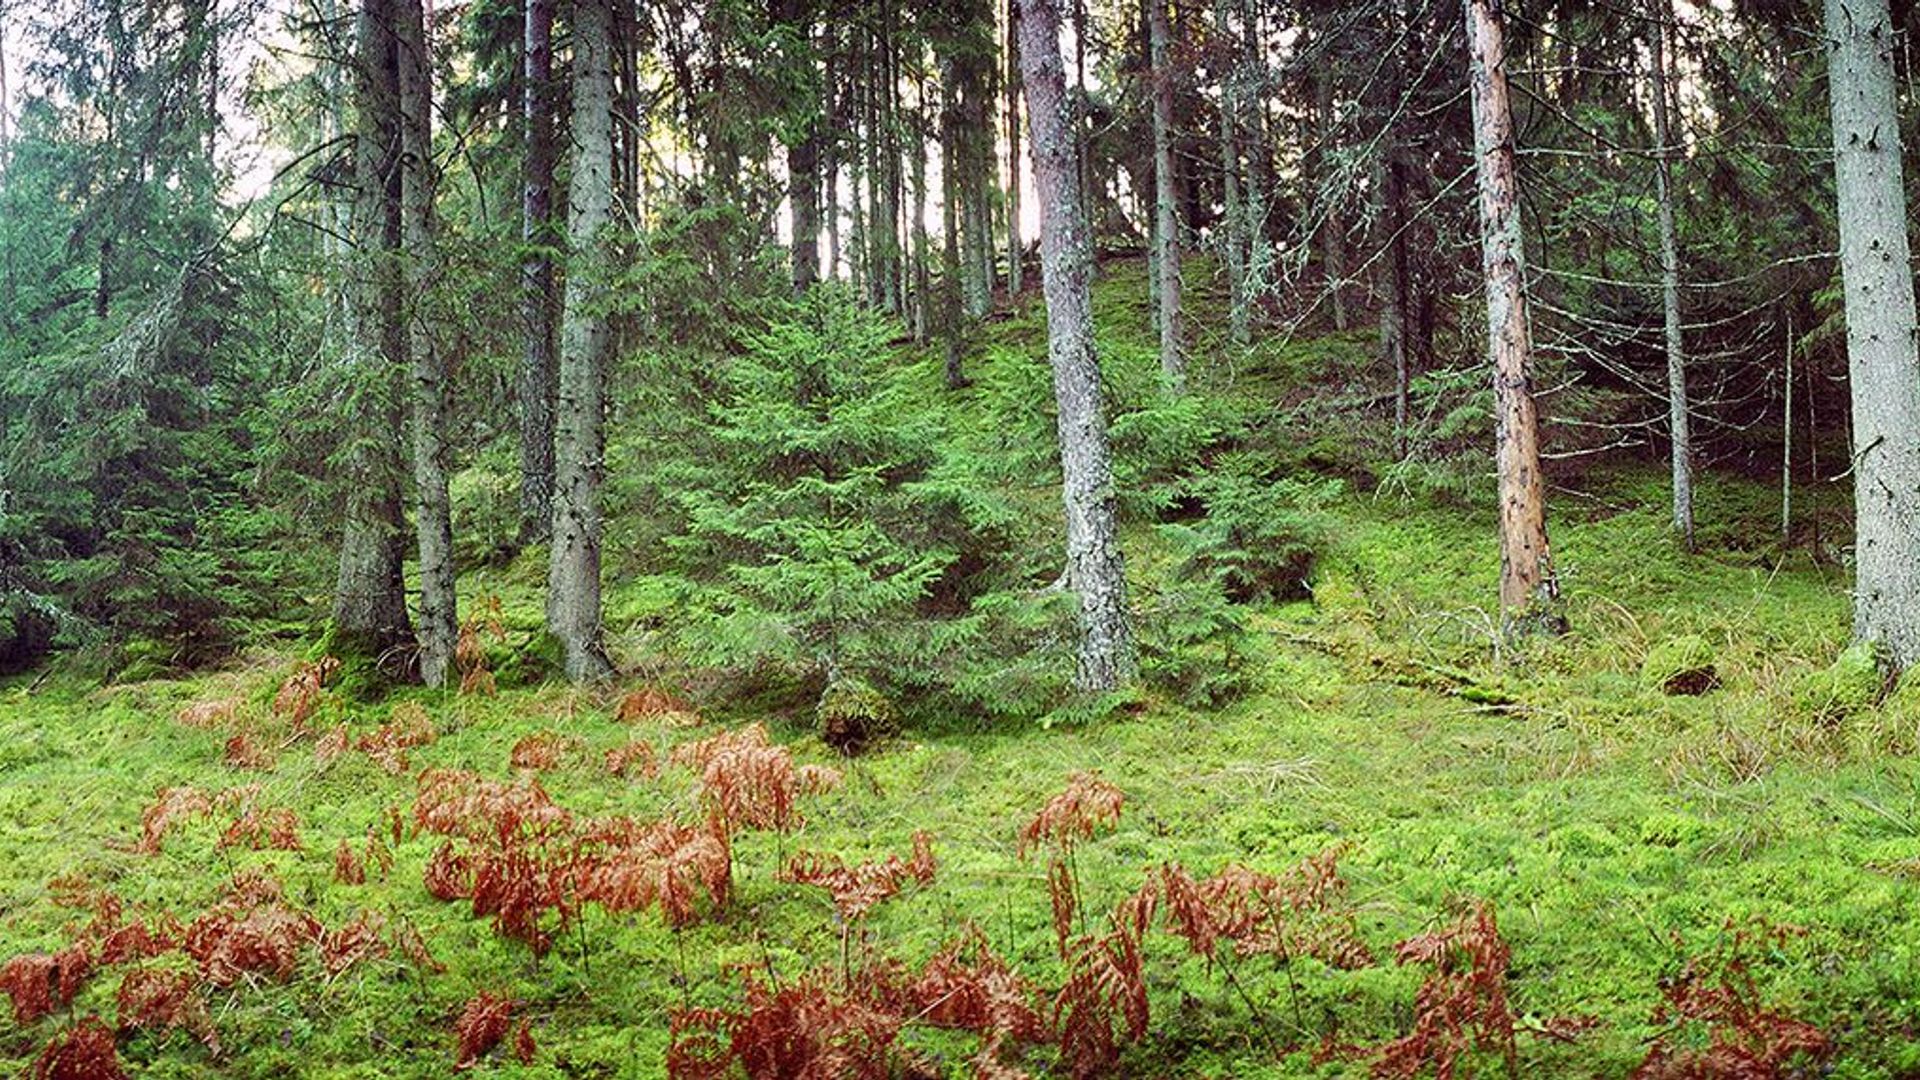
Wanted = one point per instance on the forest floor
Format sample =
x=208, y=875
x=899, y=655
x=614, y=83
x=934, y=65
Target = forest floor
x=1615, y=829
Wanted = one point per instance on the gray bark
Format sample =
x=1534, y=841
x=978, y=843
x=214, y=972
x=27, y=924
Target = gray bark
x=537, y=366
x=1251, y=107
x=1233, y=223
x=573, y=575
x=1882, y=363
x=1677, y=416
x=1166, y=218
x=1528, y=591
x=1016, y=246
x=433, y=508
x=803, y=150
x=1333, y=226
x=369, y=599
x=1095, y=568
x=922, y=275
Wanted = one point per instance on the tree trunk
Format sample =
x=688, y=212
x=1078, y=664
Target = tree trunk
x=433, y=508
x=1529, y=594
x=1333, y=227
x=1166, y=218
x=537, y=372
x=830, y=152
x=803, y=151
x=1095, y=568
x=1393, y=274
x=1016, y=247
x=573, y=576
x=1393, y=221
x=1677, y=418
x=1882, y=363
x=369, y=600
x=922, y=275
x=1251, y=108
x=949, y=301
x=1233, y=241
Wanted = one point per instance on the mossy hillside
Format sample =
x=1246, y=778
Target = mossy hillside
x=1612, y=825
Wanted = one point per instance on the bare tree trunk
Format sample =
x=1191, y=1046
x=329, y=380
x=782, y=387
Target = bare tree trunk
x=369, y=600
x=1233, y=217
x=1166, y=218
x=1786, y=443
x=1251, y=106
x=1677, y=417
x=830, y=149
x=922, y=275
x=1095, y=569
x=1393, y=220
x=1333, y=228
x=573, y=575
x=1882, y=362
x=1393, y=309
x=537, y=374
x=1016, y=246
x=1529, y=593
x=803, y=152
x=433, y=507
x=951, y=330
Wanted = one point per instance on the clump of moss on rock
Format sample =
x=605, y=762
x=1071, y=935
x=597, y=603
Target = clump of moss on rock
x=1852, y=684
x=1681, y=666
x=854, y=715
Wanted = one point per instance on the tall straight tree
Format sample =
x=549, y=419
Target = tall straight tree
x=1095, y=568
x=803, y=145
x=369, y=598
x=536, y=274
x=433, y=505
x=1678, y=426
x=1016, y=246
x=1882, y=363
x=1233, y=243
x=1166, y=217
x=573, y=574
x=1529, y=593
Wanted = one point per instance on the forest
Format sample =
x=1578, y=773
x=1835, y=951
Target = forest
x=789, y=540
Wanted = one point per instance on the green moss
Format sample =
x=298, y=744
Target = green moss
x=853, y=715
x=1680, y=665
x=1850, y=685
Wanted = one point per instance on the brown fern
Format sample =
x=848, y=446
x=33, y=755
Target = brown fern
x=483, y=625
x=299, y=696
x=543, y=750
x=360, y=939
x=1462, y=1005
x=86, y=1051
x=652, y=703
x=635, y=758
x=38, y=983
x=744, y=779
x=482, y=1024
x=242, y=752
x=408, y=726
x=1075, y=814
x=1745, y=1039
x=263, y=828
x=164, y=1000
x=329, y=747
x=210, y=714
x=169, y=808
x=249, y=935
x=633, y=866
x=857, y=889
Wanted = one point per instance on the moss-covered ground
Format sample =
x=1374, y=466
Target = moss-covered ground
x=1616, y=829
